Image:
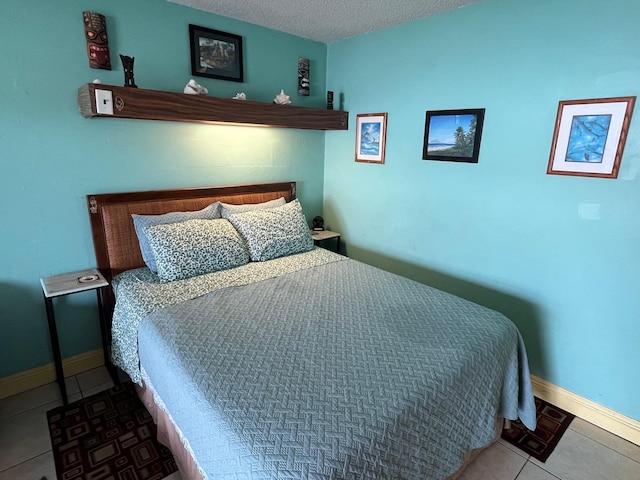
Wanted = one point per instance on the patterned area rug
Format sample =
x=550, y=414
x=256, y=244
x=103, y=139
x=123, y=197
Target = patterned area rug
x=107, y=435
x=552, y=422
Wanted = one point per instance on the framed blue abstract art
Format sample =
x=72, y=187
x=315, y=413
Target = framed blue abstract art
x=371, y=135
x=589, y=137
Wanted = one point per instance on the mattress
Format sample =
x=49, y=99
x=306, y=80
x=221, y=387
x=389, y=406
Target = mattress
x=321, y=367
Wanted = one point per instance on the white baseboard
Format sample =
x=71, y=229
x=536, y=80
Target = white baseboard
x=603, y=417
x=36, y=377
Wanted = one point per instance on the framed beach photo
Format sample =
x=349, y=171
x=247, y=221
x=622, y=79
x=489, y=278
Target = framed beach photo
x=453, y=135
x=589, y=137
x=216, y=54
x=371, y=137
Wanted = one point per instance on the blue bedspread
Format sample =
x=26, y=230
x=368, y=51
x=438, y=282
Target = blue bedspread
x=337, y=371
x=140, y=292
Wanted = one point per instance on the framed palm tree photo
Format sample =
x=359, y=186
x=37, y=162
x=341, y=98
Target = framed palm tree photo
x=453, y=135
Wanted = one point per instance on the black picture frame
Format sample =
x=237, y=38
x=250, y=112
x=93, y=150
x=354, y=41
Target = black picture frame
x=216, y=54
x=453, y=135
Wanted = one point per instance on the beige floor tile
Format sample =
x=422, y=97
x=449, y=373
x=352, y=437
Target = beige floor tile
x=513, y=448
x=93, y=378
x=495, y=463
x=34, y=469
x=604, y=437
x=25, y=436
x=28, y=400
x=97, y=389
x=533, y=472
x=578, y=457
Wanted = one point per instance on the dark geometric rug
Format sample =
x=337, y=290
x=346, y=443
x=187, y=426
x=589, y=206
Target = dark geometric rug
x=552, y=422
x=109, y=435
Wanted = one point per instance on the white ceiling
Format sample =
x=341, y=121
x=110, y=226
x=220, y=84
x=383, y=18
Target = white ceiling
x=325, y=20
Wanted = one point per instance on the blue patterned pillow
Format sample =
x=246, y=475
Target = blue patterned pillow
x=140, y=222
x=195, y=247
x=274, y=232
x=231, y=209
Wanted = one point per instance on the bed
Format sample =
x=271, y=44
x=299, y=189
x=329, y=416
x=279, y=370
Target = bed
x=294, y=362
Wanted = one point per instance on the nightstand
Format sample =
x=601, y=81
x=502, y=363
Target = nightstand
x=323, y=235
x=66, y=284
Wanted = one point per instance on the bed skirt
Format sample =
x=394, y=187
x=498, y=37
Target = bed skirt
x=168, y=436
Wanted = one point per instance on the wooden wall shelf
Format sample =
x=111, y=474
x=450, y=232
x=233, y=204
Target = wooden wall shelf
x=138, y=103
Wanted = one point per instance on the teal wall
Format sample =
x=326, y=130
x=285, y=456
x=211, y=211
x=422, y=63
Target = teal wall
x=51, y=157
x=559, y=255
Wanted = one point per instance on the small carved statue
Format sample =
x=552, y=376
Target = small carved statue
x=329, y=100
x=127, y=64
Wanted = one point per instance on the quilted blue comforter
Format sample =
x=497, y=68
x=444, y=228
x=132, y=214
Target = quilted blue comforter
x=336, y=371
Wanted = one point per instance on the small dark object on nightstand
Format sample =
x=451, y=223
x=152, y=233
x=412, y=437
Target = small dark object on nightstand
x=318, y=224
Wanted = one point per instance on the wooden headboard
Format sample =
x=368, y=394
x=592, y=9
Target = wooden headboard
x=115, y=241
x=114, y=237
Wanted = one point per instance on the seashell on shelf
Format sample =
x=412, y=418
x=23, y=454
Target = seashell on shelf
x=194, y=88
x=282, y=98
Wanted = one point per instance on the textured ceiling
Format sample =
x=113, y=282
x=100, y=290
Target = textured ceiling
x=325, y=20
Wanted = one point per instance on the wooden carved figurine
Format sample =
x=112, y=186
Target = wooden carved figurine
x=127, y=64
x=95, y=31
x=329, y=100
x=303, y=77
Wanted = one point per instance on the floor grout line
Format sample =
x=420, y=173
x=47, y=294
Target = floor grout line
x=609, y=447
x=26, y=460
x=542, y=467
x=520, y=471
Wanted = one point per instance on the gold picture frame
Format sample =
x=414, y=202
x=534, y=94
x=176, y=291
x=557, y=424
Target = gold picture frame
x=589, y=137
x=371, y=137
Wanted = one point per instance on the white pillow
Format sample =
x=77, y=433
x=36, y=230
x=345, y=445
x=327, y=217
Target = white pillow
x=230, y=209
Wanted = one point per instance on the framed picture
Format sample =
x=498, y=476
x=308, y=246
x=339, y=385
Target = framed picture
x=589, y=137
x=216, y=54
x=453, y=135
x=371, y=137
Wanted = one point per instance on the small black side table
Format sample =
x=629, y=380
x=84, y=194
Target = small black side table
x=66, y=284
x=322, y=235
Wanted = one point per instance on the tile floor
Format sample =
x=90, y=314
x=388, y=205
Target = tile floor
x=25, y=446
x=585, y=452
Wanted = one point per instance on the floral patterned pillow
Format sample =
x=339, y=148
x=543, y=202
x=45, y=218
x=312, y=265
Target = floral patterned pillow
x=195, y=247
x=141, y=222
x=274, y=232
